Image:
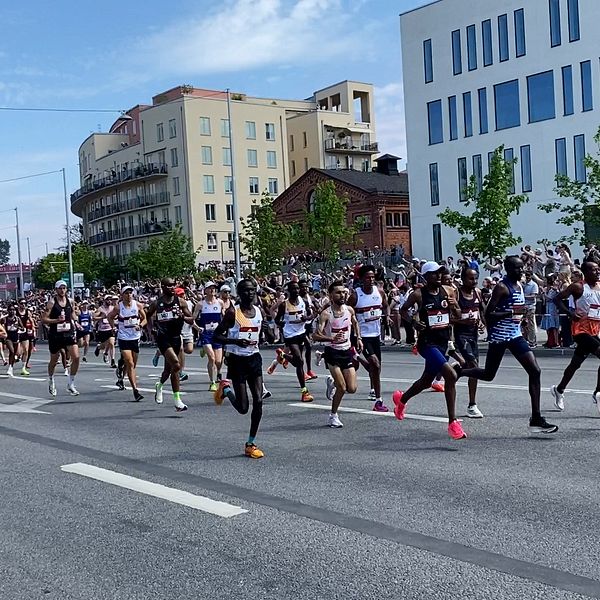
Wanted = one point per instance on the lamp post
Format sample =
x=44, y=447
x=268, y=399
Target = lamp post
x=236, y=232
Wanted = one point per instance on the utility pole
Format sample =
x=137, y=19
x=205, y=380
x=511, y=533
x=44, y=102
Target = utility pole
x=29, y=258
x=69, y=250
x=19, y=253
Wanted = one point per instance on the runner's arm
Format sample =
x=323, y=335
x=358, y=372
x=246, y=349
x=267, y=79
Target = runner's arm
x=499, y=293
x=575, y=290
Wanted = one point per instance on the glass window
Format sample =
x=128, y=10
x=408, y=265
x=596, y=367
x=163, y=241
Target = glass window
x=468, y=114
x=271, y=159
x=579, y=145
x=540, y=96
x=304, y=139
x=509, y=157
x=525, y=169
x=560, y=149
x=587, y=98
x=437, y=242
x=428, y=61
x=293, y=168
x=434, y=117
x=176, y=191
x=250, y=130
x=270, y=131
x=471, y=48
x=206, y=155
x=456, y=53
x=204, y=125
x=573, y=6
x=273, y=186
x=434, y=186
x=520, y=48
x=483, y=111
x=160, y=136
x=172, y=128
x=252, y=158
x=211, y=242
x=224, y=127
x=486, y=36
x=291, y=143
x=178, y=218
x=229, y=211
x=506, y=100
x=230, y=240
x=208, y=184
x=453, y=118
x=567, y=85
x=462, y=179
x=226, y=157
x=490, y=157
x=554, y=8
x=253, y=181
x=210, y=211
x=478, y=171
x=397, y=220
x=174, y=157
x=503, y=37
x=228, y=184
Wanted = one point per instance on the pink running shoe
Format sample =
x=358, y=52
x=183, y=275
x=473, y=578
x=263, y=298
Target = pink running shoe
x=379, y=406
x=437, y=386
x=455, y=430
x=399, y=405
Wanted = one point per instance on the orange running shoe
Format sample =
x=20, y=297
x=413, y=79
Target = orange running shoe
x=306, y=396
x=281, y=359
x=224, y=390
x=272, y=367
x=253, y=451
x=437, y=386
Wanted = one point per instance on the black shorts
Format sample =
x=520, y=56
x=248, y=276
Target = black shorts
x=133, y=345
x=372, y=347
x=13, y=336
x=81, y=334
x=56, y=343
x=241, y=369
x=104, y=336
x=343, y=359
x=467, y=346
x=297, y=340
x=25, y=337
x=586, y=344
x=309, y=327
x=164, y=343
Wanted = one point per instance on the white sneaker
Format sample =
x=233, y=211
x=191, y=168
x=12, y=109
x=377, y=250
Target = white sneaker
x=180, y=406
x=51, y=388
x=372, y=396
x=10, y=372
x=595, y=398
x=266, y=394
x=158, y=393
x=473, y=412
x=319, y=357
x=330, y=383
x=559, y=399
x=334, y=421
x=66, y=372
x=72, y=390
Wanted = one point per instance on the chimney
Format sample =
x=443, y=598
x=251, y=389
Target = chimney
x=387, y=164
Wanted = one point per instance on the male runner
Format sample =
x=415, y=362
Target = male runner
x=61, y=336
x=334, y=327
x=84, y=328
x=240, y=331
x=13, y=327
x=309, y=301
x=187, y=335
x=585, y=325
x=503, y=316
x=26, y=338
x=105, y=335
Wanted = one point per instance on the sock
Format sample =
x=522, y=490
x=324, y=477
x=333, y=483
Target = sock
x=50, y=378
x=71, y=379
x=250, y=440
x=159, y=385
x=378, y=399
x=176, y=396
x=304, y=389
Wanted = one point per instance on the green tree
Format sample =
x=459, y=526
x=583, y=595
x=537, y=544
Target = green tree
x=4, y=252
x=48, y=269
x=582, y=212
x=265, y=239
x=487, y=229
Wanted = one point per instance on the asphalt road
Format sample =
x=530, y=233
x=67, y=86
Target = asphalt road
x=379, y=509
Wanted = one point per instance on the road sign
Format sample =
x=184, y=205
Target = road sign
x=78, y=280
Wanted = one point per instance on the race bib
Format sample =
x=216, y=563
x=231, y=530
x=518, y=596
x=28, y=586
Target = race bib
x=105, y=322
x=62, y=327
x=470, y=316
x=250, y=334
x=130, y=322
x=12, y=328
x=166, y=315
x=594, y=312
x=211, y=326
x=438, y=320
x=374, y=314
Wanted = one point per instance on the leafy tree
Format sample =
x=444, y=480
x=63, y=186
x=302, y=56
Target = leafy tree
x=48, y=269
x=487, y=229
x=582, y=212
x=4, y=252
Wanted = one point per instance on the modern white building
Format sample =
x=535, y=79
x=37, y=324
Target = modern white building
x=477, y=75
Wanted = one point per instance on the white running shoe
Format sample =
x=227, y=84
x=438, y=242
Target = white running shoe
x=66, y=372
x=266, y=394
x=595, y=398
x=158, y=393
x=72, y=390
x=10, y=372
x=180, y=406
x=51, y=388
x=559, y=399
x=473, y=412
x=334, y=422
x=330, y=390
x=319, y=357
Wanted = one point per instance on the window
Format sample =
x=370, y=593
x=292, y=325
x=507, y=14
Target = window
x=567, y=85
x=573, y=8
x=228, y=181
x=253, y=183
x=178, y=218
x=437, y=242
x=172, y=128
x=161, y=157
x=252, y=158
x=434, y=186
x=456, y=53
x=226, y=157
x=211, y=242
x=483, y=112
x=587, y=98
x=210, y=211
x=206, y=155
x=306, y=163
x=478, y=171
x=506, y=100
x=291, y=143
x=224, y=127
x=230, y=240
x=554, y=8
x=471, y=48
x=520, y=48
x=229, y=211
x=293, y=168
x=174, y=157
x=389, y=222
x=204, y=125
x=273, y=186
x=208, y=184
x=490, y=158
x=363, y=221
x=397, y=219
x=486, y=36
x=304, y=139
x=271, y=159
x=160, y=135
x=462, y=179
x=560, y=150
x=503, y=37
x=540, y=95
x=250, y=130
x=468, y=114
x=428, y=61
x=525, y=169
x=434, y=116
x=405, y=219
x=270, y=131
x=509, y=157
x=579, y=145
x=453, y=118
x=176, y=191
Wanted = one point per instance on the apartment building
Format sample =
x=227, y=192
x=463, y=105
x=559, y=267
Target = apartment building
x=171, y=163
x=479, y=75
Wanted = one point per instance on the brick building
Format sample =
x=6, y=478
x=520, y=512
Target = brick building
x=378, y=197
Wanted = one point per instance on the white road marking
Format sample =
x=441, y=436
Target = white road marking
x=28, y=404
x=141, y=389
x=23, y=377
x=214, y=507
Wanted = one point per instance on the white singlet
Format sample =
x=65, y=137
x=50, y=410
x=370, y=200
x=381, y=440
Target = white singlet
x=245, y=328
x=368, y=312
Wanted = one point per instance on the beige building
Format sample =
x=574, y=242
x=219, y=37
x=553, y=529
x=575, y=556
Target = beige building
x=170, y=163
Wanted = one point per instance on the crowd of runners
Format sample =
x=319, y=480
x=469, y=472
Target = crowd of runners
x=341, y=318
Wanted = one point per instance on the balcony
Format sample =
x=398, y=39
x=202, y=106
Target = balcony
x=348, y=145
x=137, y=203
x=143, y=230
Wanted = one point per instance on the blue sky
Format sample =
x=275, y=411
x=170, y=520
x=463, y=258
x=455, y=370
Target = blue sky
x=115, y=55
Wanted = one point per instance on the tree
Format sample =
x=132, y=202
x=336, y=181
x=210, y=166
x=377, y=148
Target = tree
x=582, y=212
x=48, y=269
x=264, y=237
x=487, y=229
x=4, y=252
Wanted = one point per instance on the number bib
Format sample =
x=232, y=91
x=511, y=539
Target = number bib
x=249, y=333
x=470, y=316
x=594, y=312
x=62, y=327
x=437, y=319
x=374, y=314
x=166, y=315
x=130, y=322
x=211, y=326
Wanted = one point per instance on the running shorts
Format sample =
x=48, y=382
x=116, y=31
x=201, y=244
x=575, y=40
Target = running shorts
x=467, y=346
x=372, y=347
x=104, y=336
x=297, y=340
x=517, y=347
x=206, y=339
x=435, y=358
x=241, y=369
x=81, y=334
x=132, y=345
x=586, y=344
x=338, y=358
x=164, y=343
x=56, y=343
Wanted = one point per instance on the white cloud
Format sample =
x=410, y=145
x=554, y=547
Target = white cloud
x=389, y=115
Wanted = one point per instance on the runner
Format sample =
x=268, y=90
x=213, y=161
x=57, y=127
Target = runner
x=84, y=328
x=334, y=327
x=239, y=331
x=171, y=312
x=187, y=335
x=27, y=336
x=435, y=307
x=370, y=305
x=585, y=325
x=310, y=302
x=13, y=326
x=503, y=316
x=61, y=336
x=105, y=335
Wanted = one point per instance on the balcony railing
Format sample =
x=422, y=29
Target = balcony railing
x=139, y=202
x=147, y=228
x=350, y=145
x=118, y=177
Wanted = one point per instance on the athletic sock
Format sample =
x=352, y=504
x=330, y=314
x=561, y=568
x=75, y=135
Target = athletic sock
x=177, y=396
x=378, y=400
x=71, y=379
x=250, y=439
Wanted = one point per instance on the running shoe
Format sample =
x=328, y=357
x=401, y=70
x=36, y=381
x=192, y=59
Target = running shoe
x=72, y=390
x=213, y=386
x=137, y=396
x=155, y=360
x=334, y=422
x=455, y=430
x=281, y=359
x=399, y=406
x=319, y=357
x=253, y=451
x=414, y=350
x=67, y=372
x=310, y=375
x=183, y=376
x=9, y=372
x=595, y=397
x=266, y=394
x=540, y=425
x=51, y=388
x=105, y=357
x=97, y=351
x=438, y=386
x=473, y=412
x=379, y=406
x=180, y=406
x=120, y=384
x=271, y=368
x=559, y=398
x=330, y=388
x=158, y=393
x=113, y=364
x=306, y=396
x=84, y=359
x=223, y=390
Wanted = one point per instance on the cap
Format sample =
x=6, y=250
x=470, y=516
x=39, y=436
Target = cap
x=126, y=288
x=225, y=288
x=431, y=267
x=210, y=284
x=179, y=291
x=84, y=301
x=60, y=283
